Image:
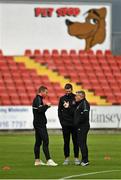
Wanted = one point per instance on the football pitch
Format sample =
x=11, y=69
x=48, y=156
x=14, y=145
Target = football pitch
x=17, y=159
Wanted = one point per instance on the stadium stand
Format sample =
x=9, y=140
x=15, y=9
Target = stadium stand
x=97, y=73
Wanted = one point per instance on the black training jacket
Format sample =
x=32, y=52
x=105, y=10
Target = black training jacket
x=81, y=113
x=39, y=110
x=66, y=116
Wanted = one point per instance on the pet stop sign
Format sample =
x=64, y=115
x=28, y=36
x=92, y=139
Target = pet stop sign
x=48, y=12
x=54, y=26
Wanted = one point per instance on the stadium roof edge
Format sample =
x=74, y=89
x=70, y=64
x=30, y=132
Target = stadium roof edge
x=38, y=1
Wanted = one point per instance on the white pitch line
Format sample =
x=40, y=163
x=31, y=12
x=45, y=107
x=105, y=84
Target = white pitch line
x=86, y=174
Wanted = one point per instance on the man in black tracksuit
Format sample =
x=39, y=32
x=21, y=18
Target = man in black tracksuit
x=66, y=117
x=81, y=121
x=39, y=122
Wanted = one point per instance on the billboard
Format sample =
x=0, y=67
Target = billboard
x=54, y=26
x=21, y=117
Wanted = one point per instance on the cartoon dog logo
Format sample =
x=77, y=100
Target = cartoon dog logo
x=93, y=30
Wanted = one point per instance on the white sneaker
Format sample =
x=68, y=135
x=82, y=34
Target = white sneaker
x=66, y=162
x=50, y=162
x=84, y=164
x=39, y=163
x=77, y=161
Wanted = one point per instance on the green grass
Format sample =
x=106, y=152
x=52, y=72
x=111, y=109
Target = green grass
x=16, y=151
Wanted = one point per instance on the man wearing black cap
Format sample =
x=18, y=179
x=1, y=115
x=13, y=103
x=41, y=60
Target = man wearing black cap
x=66, y=117
x=81, y=121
